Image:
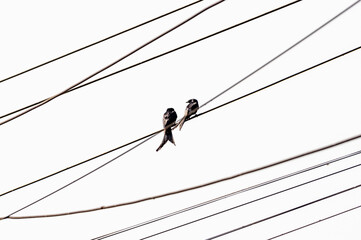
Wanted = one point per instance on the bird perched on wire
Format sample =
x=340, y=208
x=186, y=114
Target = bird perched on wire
x=169, y=118
x=191, y=109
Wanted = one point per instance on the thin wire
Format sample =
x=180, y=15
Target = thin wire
x=113, y=63
x=192, y=188
x=156, y=57
x=154, y=39
x=76, y=180
x=282, y=53
x=255, y=200
x=139, y=139
x=273, y=84
x=100, y=41
x=80, y=163
x=227, y=196
x=313, y=223
x=207, y=184
x=287, y=211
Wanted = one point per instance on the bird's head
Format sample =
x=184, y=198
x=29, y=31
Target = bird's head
x=192, y=100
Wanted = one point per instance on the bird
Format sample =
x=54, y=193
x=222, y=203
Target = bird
x=191, y=109
x=169, y=118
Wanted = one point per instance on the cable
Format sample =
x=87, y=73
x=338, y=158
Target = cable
x=156, y=57
x=321, y=220
x=200, y=114
x=228, y=195
x=100, y=41
x=282, y=53
x=196, y=187
x=74, y=181
x=207, y=184
x=113, y=63
x=255, y=200
x=154, y=39
x=80, y=163
x=287, y=211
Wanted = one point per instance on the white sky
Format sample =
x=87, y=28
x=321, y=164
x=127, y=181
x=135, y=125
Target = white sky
x=306, y=112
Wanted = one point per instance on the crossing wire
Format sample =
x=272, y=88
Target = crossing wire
x=157, y=56
x=200, y=114
x=113, y=63
x=258, y=199
x=202, y=185
x=142, y=46
x=100, y=41
x=285, y=212
x=282, y=53
x=274, y=180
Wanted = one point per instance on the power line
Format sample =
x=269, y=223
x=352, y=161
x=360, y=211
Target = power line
x=284, y=212
x=200, y=114
x=282, y=53
x=227, y=196
x=157, y=56
x=76, y=180
x=100, y=41
x=275, y=83
x=198, y=13
x=154, y=39
x=214, y=182
x=313, y=223
x=80, y=163
x=113, y=63
x=256, y=200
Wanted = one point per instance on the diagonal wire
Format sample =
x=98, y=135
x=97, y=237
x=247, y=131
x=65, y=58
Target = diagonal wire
x=157, y=56
x=210, y=183
x=260, y=198
x=213, y=182
x=282, y=53
x=285, y=212
x=113, y=63
x=99, y=41
x=154, y=39
x=228, y=195
x=313, y=223
x=200, y=114
x=76, y=180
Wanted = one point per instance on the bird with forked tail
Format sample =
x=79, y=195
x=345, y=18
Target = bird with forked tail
x=169, y=118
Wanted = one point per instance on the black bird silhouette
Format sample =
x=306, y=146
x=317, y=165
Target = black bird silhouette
x=191, y=109
x=169, y=118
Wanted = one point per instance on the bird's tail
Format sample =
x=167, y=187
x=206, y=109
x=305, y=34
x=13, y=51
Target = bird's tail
x=167, y=136
x=182, y=122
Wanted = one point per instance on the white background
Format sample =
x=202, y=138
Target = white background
x=308, y=111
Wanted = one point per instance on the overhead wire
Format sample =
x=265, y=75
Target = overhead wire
x=157, y=56
x=142, y=46
x=316, y=222
x=243, y=190
x=282, y=53
x=113, y=63
x=257, y=199
x=78, y=179
x=100, y=41
x=285, y=212
x=212, y=183
x=114, y=149
x=198, y=115
x=198, y=13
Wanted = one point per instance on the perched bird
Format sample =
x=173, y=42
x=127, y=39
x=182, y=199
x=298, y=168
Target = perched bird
x=191, y=109
x=169, y=118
